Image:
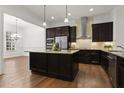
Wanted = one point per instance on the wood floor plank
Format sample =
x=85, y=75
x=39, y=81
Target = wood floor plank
x=18, y=75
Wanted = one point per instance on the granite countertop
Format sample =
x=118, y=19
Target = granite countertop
x=71, y=51
x=118, y=53
x=54, y=52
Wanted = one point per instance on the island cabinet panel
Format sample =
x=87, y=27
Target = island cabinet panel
x=65, y=65
x=60, y=65
x=52, y=63
x=38, y=62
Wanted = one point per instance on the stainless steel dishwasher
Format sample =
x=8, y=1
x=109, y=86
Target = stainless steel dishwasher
x=120, y=72
x=112, y=70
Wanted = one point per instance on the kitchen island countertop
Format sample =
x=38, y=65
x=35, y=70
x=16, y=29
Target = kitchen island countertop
x=54, y=52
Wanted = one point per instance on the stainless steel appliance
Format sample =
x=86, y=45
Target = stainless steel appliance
x=49, y=43
x=63, y=42
x=112, y=69
x=120, y=72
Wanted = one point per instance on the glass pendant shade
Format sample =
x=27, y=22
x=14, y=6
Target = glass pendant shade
x=44, y=23
x=66, y=20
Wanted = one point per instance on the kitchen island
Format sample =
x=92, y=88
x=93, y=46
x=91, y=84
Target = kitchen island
x=59, y=64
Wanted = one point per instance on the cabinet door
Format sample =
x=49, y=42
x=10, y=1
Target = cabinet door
x=38, y=62
x=83, y=57
x=95, y=33
x=53, y=63
x=58, y=31
x=50, y=32
x=94, y=57
x=104, y=61
x=102, y=32
x=72, y=34
x=110, y=32
x=65, y=31
x=65, y=65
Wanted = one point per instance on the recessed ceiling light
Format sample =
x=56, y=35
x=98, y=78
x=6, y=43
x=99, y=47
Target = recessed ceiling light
x=69, y=14
x=52, y=17
x=91, y=9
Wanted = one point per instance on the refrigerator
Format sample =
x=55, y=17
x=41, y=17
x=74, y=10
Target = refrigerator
x=62, y=41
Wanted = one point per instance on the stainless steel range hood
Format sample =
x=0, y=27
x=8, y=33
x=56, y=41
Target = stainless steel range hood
x=82, y=33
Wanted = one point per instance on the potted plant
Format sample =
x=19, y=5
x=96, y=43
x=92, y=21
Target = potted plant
x=108, y=47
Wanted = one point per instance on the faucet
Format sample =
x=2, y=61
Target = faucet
x=121, y=47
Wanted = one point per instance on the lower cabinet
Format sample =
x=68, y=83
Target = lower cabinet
x=53, y=64
x=104, y=61
x=63, y=66
x=38, y=62
x=89, y=56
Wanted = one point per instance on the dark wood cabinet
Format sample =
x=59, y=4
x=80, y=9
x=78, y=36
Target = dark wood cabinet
x=53, y=64
x=68, y=31
x=72, y=34
x=38, y=62
x=102, y=32
x=63, y=66
x=50, y=32
x=89, y=56
x=104, y=61
x=66, y=68
x=83, y=56
x=57, y=31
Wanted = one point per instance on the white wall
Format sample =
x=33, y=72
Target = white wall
x=1, y=42
x=119, y=23
x=107, y=17
x=34, y=37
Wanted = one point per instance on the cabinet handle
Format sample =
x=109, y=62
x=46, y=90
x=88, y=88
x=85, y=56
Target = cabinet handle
x=110, y=57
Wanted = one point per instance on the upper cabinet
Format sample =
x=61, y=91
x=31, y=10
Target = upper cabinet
x=68, y=31
x=57, y=31
x=72, y=34
x=102, y=32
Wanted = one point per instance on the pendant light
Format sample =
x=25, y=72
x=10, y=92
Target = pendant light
x=66, y=18
x=44, y=20
x=16, y=36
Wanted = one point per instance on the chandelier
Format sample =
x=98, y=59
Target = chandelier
x=16, y=36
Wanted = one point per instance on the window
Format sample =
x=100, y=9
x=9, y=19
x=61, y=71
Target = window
x=10, y=43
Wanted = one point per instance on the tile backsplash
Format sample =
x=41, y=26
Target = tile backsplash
x=88, y=44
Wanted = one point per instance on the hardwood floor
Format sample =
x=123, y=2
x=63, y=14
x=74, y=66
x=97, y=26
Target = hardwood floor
x=18, y=75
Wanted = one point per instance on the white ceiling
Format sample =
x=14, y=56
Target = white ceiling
x=58, y=11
